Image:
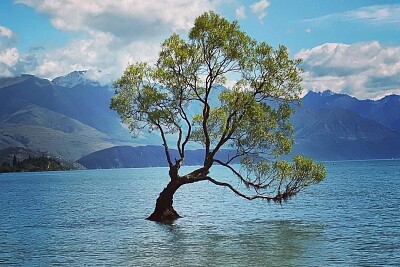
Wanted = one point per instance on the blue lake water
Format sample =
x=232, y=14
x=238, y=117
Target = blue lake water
x=97, y=218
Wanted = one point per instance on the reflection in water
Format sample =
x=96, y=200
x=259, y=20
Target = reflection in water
x=262, y=243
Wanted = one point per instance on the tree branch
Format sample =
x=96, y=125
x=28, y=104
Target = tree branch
x=242, y=179
x=182, y=113
x=277, y=198
x=166, y=149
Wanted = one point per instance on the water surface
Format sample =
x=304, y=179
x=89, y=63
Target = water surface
x=96, y=218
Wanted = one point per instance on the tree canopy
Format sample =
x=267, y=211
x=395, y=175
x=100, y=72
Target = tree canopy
x=243, y=91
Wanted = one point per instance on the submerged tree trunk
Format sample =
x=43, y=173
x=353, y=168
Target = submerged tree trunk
x=164, y=211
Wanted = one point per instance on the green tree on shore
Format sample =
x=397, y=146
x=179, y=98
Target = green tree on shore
x=33, y=164
x=252, y=116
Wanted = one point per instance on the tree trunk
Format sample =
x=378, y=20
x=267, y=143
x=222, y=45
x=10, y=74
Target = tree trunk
x=164, y=211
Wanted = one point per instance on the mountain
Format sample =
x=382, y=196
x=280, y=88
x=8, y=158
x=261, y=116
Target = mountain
x=141, y=156
x=73, y=79
x=86, y=102
x=331, y=126
x=385, y=111
x=340, y=134
x=68, y=116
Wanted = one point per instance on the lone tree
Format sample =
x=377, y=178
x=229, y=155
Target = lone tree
x=251, y=117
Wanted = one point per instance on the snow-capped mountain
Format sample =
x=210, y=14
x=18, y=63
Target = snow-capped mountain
x=73, y=79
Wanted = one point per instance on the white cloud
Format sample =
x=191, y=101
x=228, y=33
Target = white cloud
x=9, y=57
x=101, y=54
x=126, y=19
x=9, y=54
x=308, y=30
x=241, y=12
x=117, y=32
x=260, y=9
x=6, y=32
x=7, y=38
x=364, y=70
x=376, y=14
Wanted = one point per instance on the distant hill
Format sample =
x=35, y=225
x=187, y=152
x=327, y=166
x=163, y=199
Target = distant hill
x=141, y=156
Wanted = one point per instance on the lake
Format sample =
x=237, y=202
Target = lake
x=97, y=218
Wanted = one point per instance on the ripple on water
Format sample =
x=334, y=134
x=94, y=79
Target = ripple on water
x=97, y=218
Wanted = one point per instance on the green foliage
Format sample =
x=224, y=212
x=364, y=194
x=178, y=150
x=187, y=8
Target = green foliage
x=33, y=164
x=252, y=115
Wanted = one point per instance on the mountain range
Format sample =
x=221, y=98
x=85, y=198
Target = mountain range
x=69, y=117
x=332, y=126
x=143, y=156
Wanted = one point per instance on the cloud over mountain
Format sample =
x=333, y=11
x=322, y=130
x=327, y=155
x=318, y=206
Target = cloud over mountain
x=111, y=33
x=107, y=35
x=358, y=69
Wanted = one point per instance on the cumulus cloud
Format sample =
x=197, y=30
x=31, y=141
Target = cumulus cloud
x=100, y=54
x=127, y=19
x=9, y=54
x=364, y=70
x=116, y=32
x=260, y=9
x=6, y=32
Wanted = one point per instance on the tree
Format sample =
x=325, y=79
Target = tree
x=15, y=162
x=251, y=117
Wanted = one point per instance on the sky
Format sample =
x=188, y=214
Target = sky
x=350, y=47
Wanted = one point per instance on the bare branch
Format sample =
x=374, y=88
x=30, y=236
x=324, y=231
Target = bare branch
x=206, y=115
x=247, y=183
x=166, y=149
x=241, y=194
x=178, y=142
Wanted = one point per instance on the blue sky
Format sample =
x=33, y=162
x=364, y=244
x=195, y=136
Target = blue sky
x=346, y=46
